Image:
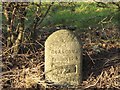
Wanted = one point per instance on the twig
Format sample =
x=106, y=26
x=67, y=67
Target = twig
x=7, y=50
x=95, y=82
x=39, y=43
x=11, y=71
x=46, y=13
x=90, y=57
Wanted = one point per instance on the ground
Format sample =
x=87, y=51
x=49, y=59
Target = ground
x=99, y=34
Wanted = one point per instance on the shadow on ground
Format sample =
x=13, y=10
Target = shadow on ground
x=96, y=63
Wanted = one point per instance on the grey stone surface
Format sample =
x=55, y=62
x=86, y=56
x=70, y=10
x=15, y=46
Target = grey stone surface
x=63, y=58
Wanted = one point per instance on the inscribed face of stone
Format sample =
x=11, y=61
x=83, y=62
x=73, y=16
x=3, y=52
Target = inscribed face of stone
x=63, y=58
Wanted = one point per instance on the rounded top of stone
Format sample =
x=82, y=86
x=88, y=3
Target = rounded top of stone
x=62, y=31
x=62, y=34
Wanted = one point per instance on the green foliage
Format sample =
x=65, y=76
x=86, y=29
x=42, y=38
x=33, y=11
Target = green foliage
x=78, y=14
x=84, y=15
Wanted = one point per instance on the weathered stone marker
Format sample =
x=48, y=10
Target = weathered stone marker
x=63, y=58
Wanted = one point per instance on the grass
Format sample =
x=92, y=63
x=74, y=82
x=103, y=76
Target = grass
x=84, y=15
x=78, y=14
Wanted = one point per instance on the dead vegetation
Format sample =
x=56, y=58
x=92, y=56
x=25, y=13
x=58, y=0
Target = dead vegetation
x=25, y=69
x=101, y=63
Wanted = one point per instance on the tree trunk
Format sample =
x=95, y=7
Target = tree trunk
x=18, y=41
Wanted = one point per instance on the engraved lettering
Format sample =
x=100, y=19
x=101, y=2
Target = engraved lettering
x=63, y=58
x=63, y=51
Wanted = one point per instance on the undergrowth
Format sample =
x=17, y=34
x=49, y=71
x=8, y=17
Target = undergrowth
x=97, y=28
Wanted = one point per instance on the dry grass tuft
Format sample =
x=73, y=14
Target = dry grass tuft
x=109, y=78
x=24, y=78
